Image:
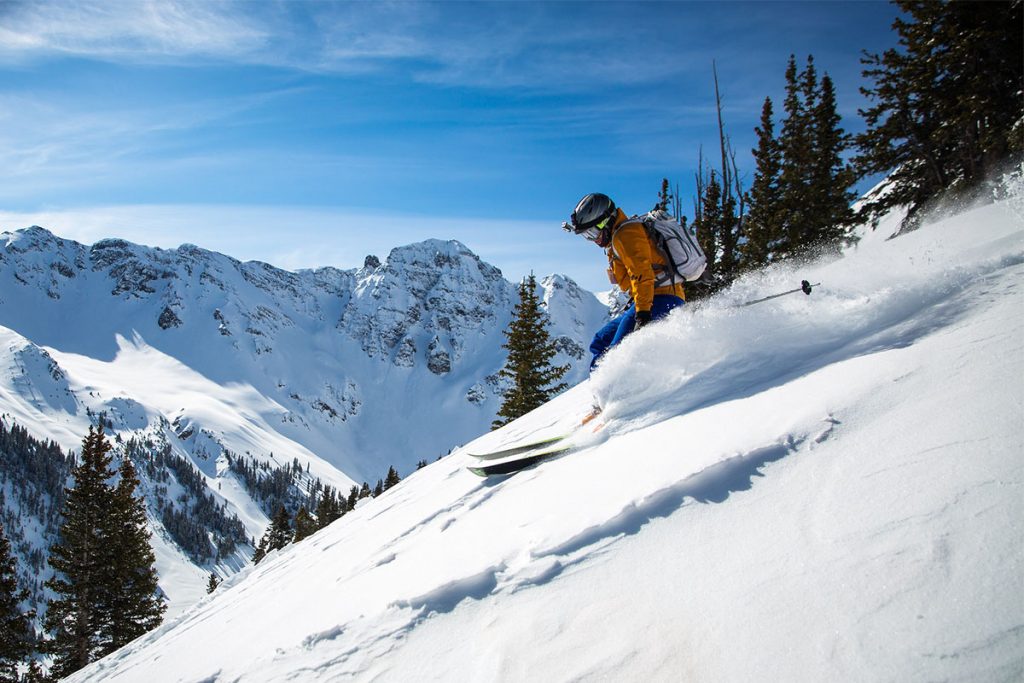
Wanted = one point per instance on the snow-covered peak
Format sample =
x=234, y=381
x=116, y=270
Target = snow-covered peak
x=427, y=298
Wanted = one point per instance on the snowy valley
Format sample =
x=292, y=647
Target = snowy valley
x=823, y=487
x=236, y=386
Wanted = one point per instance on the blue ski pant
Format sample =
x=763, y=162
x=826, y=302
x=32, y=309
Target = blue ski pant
x=617, y=328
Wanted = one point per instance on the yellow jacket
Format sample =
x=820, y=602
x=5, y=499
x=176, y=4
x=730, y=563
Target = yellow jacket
x=632, y=261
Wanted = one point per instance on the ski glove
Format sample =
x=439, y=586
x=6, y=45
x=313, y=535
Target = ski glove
x=642, y=318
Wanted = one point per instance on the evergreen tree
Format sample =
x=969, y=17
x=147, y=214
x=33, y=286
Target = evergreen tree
x=762, y=227
x=830, y=177
x=75, y=619
x=329, y=508
x=261, y=550
x=213, y=582
x=16, y=633
x=812, y=208
x=105, y=578
x=35, y=674
x=379, y=488
x=277, y=535
x=530, y=351
x=665, y=197
x=708, y=224
x=305, y=525
x=364, y=491
x=392, y=478
x=947, y=104
x=131, y=600
x=797, y=145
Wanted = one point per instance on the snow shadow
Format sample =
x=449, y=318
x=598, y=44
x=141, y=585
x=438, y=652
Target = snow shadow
x=444, y=599
x=713, y=484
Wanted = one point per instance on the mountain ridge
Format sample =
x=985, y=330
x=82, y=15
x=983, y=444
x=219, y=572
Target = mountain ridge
x=219, y=360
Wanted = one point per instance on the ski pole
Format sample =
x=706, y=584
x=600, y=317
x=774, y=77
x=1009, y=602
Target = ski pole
x=804, y=287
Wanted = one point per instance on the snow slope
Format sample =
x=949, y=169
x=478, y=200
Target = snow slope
x=344, y=372
x=815, y=488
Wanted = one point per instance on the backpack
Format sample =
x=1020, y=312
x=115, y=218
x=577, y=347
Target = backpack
x=683, y=255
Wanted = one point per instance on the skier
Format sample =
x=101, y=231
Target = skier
x=635, y=264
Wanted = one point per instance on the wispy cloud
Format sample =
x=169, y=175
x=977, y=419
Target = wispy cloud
x=144, y=30
x=533, y=46
x=70, y=141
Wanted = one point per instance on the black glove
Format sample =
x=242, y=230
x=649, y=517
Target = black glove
x=642, y=318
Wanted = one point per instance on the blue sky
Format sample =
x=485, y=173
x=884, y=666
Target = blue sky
x=313, y=133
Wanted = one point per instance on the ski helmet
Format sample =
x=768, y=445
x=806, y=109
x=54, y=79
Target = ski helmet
x=593, y=209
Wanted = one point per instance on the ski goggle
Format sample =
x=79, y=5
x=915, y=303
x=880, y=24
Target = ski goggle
x=594, y=233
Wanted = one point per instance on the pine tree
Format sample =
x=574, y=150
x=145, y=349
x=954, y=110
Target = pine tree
x=365, y=491
x=797, y=145
x=277, y=535
x=762, y=227
x=665, y=197
x=131, y=600
x=261, y=550
x=830, y=177
x=329, y=508
x=16, y=634
x=75, y=618
x=708, y=224
x=946, y=104
x=305, y=525
x=35, y=674
x=809, y=209
x=379, y=488
x=212, y=583
x=534, y=380
x=105, y=578
x=392, y=478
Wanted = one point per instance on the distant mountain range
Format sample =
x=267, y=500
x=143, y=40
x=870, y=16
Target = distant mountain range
x=240, y=385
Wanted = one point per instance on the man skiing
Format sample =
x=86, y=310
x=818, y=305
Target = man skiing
x=635, y=264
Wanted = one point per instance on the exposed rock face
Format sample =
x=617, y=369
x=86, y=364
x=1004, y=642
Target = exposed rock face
x=329, y=348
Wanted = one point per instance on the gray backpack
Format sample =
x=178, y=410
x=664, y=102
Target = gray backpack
x=684, y=258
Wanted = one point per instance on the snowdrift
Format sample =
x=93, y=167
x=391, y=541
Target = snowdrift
x=815, y=488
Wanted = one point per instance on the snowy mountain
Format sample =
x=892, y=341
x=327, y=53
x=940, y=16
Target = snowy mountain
x=823, y=487
x=214, y=373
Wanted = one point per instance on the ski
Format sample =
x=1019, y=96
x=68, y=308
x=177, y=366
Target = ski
x=515, y=465
x=524, y=447
x=526, y=456
x=521, y=447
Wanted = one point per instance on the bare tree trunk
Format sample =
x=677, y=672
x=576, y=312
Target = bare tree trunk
x=698, y=200
x=726, y=178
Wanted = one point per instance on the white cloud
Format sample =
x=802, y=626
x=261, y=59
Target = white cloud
x=488, y=45
x=146, y=29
